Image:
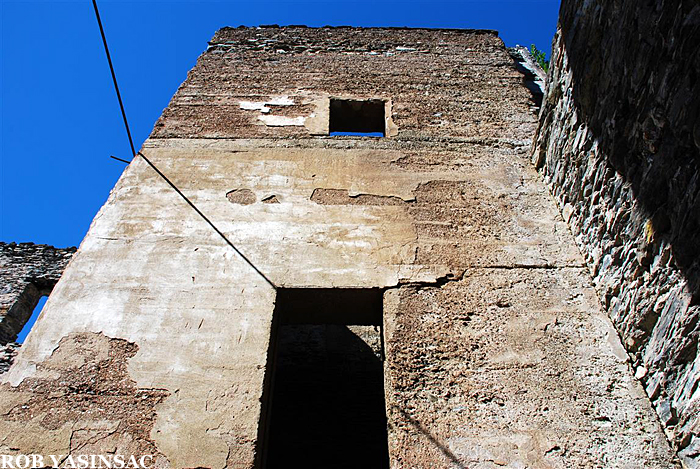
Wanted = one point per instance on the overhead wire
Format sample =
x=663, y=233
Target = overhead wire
x=114, y=77
x=153, y=166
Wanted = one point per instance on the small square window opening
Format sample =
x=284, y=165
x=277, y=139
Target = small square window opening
x=363, y=118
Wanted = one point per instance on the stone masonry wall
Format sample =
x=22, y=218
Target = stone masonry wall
x=28, y=271
x=619, y=145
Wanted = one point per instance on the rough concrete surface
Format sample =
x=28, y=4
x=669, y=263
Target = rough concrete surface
x=497, y=353
x=513, y=368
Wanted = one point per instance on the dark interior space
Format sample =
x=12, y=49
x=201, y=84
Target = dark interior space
x=365, y=117
x=346, y=306
x=324, y=399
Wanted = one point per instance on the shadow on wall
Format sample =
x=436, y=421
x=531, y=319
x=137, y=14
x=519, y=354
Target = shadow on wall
x=456, y=463
x=636, y=84
x=619, y=140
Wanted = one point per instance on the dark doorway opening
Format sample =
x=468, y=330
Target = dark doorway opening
x=357, y=117
x=324, y=398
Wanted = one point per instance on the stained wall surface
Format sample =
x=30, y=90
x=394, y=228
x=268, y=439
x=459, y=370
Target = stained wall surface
x=619, y=144
x=496, y=349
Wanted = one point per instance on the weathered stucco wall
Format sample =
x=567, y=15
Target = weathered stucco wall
x=619, y=145
x=497, y=352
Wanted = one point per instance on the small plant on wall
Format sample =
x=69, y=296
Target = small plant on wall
x=539, y=57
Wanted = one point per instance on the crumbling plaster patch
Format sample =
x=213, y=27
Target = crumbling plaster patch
x=241, y=196
x=342, y=197
x=82, y=395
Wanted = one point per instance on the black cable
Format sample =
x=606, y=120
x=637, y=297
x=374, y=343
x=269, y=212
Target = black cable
x=189, y=202
x=165, y=178
x=119, y=159
x=114, y=78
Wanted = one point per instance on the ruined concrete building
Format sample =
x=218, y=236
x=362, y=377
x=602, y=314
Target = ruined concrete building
x=348, y=259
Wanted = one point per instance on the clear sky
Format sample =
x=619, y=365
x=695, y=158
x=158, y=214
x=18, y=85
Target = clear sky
x=60, y=118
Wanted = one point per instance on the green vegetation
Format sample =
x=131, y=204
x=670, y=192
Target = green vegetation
x=539, y=57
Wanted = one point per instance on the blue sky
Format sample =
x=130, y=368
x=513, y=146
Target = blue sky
x=60, y=118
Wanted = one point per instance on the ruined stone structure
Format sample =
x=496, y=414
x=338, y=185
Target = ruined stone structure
x=282, y=292
x=619, y=145
x=27, y=272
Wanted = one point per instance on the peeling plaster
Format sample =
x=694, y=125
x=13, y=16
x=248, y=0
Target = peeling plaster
x=281, y=121
x=263, y=106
